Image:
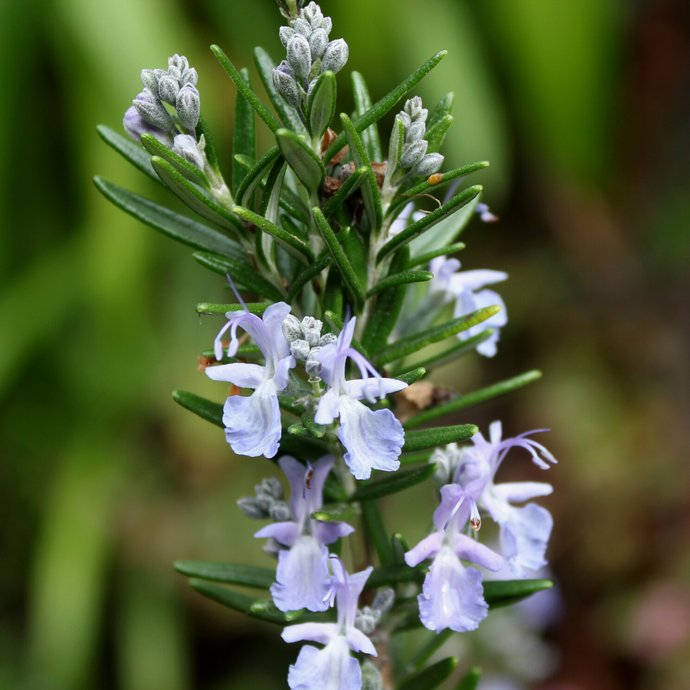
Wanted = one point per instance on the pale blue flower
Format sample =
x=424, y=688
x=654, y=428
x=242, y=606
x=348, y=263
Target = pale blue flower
x=302, y=577
x=333, y=667
x=373, y=438
x=465, y=288
x=252, y=424
x=452, y=595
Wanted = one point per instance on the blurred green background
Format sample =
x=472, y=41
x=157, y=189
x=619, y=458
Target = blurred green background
x=583, y=109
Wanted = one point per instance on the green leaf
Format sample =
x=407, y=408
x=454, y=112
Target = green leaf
x=350, y=185
x=444, y=107
x=210, y=150
x=436, y=134
x=394, y=574
x=338, y=325
x=288, y=114
x=353, y=246
x=400, y=279
x=333, y=301
x=460, y=348
x=370, y=136
x=416, y=229
x=243, y=274
x=244, y=134
x=304, y=449
x=414, y=458
x=210, y=411
x=132, y=152
x=462, y=402
x=410, y=377
x=307, y=275
x=393, y=483
x=430, y=677
x=370, y=192
x=377, y=532
x=400, y=548
x=333, y=489
x=291, y=244
x=172, y=224
x=380, y=108
x=316, y=430
x=321, y=105
x=195, y=198
x=343, y=512
x=438, y=436
x=413, y=343
x=425, y=187
x=222, y=309
x=184, y=167
x=425, y=653
x=228, y=573
x=387, y=309
x=471, y=679
x=244, y=89
x=499, y=593
x=339, y=256
x=424, y=259
x=395, y=148
x=252, y=179
x=306, y=164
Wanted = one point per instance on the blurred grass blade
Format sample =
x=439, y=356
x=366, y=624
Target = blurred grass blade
x=413, y=376
x=135, y=154
x=499, y=593
x=243, y=134
x=438, y=436
x=195, y=198
x=430, y=677
x=444, y=107
x=370, y=192
x=436, y=134
x=228, y=573
x=380, y=108
x=413, y=231
x=403, y=278
x=378, y=533
x=172, y=224
x=413, y=343
x=240, y=273
x=394, y=574
x=462, y=347
x=306, y=164
x=289, y=115
x=244, y=89
x=424, y=259
x=429, y=649
x=321, y=105
x=222, y=309
x=339, y=256
x=350, y=185
x=462, y=402
x=393, y=483
x=338, y=513
x=370, y=136
x=252, y=179
x=185, y=168
x=471, y=679
x=210, y=411
x=307, y=275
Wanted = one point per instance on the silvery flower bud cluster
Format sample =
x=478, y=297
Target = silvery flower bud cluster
x=310, y=52
x=367, y=618
x=268, y=504
x=306, y=340
x=414, y=153
x=175, y=86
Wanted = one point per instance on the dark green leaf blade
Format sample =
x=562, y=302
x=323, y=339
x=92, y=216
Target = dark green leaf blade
x=471, y=679
x=185, y=168
x=306, y=164
x=431, y=677
x=438, y=436
x=321, y=105
x=444, y=107
x=243, y=135
x=253, y=178
x=228, y=573
x=222, y=309
x=499, y=593
x=413, y=376
x=377, y=532
x=462, y=347
x=462, y=402
x=180, y=228
x=403, y=278
x=308, y=274
x=436, y=134
x=210, y=411
x=393, y=483
x=424, y=259
x=370, y=136
x=130, y=151
x=393, y=575
x=350, y=185
x=343, y=512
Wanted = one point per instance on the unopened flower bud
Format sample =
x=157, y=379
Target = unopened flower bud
x=251, y=508
x=280, y=512
x=177, y=64
x=327, y=339
x=189, y=76
x=135, y=126
x=384, y=600
x=312, y=336
x=310, y=11
x=406, y=119
x=188, y=106
x=415, y=131
x=327, y=25
x=286, y=86
x=313, y=367
x=414, y=153
x=149, y=80
x=413, y=107
x=272, y=487
x=311, y=322
x=291, y=328
x=430, y=164
x=335, y=57
x=150, y=107
x=168, y=88
x=185, y=145
x=301, y=26
x=371, y=677
x=318, y=42
x=366, y=620
x=285, y=33
x=300, y=349
x=299, y=55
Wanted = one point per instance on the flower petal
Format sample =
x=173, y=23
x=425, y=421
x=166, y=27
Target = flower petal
x=242, y=375
x=283, y=367
x=524, y=538
x=329, y=406
x=517, y=492
x=323, y=633
x=427, y=548
x=359, y=642
x=332, y=668
x=286, y=533
x=471, y=550
x=273, y=319
x=358, y=388
x=330, y=532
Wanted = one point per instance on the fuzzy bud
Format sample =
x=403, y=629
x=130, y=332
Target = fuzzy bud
x=430, y=164
x=384, y=600
x=303, y=27
x=149, y=80
x=177, y=64
x=415, y=131
x=414, y=108
x=371, y=677
x=367, y=619
x=414, y=153
x=299, y=55
x=313, y=367
x=186, y=146
x=135, y=126
x=251, y=508
x=327, y=339
x=300, y=349
x=189, y=76
x=279, y=512
x=318, y=42
x=168, y=88
x=188, y=106
x=272, y=487
x=286, y=86
x=335, y=57
x=285, y=33
x=149, y=106
x=291, y=328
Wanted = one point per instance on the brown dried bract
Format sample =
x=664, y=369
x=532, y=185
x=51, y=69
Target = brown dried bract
x=421, y=395
x=380, y=172
x=328, y=138
x=204, y=363
x=331, y=185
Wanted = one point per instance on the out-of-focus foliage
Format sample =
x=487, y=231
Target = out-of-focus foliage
x=583, y=108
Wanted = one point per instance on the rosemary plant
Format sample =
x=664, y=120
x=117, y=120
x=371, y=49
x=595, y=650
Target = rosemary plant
x=350, y=284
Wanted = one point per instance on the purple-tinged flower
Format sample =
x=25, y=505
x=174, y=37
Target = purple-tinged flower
x=135, y=125
x=465, y=287
x=252, y=424
x=452, y=595
x=302, y=577
x=373, y=438
x=524, y=532
x=333, y=667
